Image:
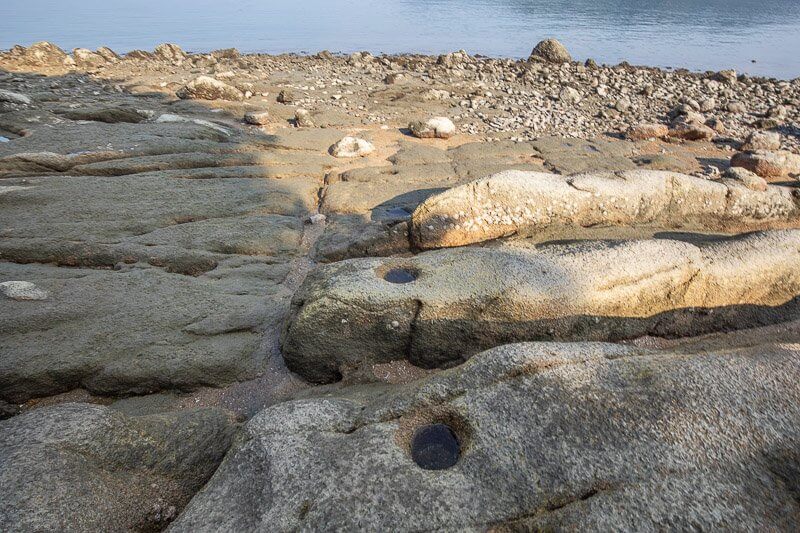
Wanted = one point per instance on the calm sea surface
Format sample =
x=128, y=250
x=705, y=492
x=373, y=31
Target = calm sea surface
x=695, y=34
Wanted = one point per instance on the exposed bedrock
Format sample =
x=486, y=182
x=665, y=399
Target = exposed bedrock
x=587, y=437
x=439, y=307
x=529, y=202
x=82, y=467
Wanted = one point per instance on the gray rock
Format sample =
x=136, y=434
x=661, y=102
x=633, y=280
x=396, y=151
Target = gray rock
x=530, y=202
x=589, y=437
x=87, y=468
x=353, y=314
x=206, y=88
x=257, y=118
x=14, y=98
x=762, y=140
x=550, y=51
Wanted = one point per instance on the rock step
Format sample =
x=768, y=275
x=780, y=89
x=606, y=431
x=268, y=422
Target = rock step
x=350, y=315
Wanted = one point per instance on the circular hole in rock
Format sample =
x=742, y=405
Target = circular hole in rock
x=400, y=275
x=435, y=447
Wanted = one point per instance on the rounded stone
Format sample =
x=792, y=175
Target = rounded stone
x=435, y=447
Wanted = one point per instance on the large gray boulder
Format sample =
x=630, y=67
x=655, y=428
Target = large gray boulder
x=517, y=202
x=82, y=467
x=589, y=437
x=550, y=51
x=439, y=307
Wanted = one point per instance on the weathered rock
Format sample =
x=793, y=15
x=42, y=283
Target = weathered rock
x=22, y=290
x=141, y=55
x=226, y=53
x=550, y=51
x=749, y=179
x=257, y=118
x=89, y=468
x=438, y=127
x=691, y=128
x=109, y=115
x=569, y=95
x=169, y=52
x=286, y=96
x=529, y=202
x=589, y=437
x=728, y=77
x=45, y=54
x=762, y=140
x=108, y=54
x=205, y=88
x=87, y=59
x=644, y=131
x=361, y=312
x=768, y=164
x=352, y=147
x=302, y=118
x=15, y=98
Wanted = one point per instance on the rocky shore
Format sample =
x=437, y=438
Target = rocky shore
x=279, y=293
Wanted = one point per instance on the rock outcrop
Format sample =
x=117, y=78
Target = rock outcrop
x=206, y=88
x=589, y=437
x=516, y=202
x=439, y=307
x=550, y=51
x=85, y=467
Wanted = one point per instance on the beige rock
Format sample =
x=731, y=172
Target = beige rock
x=352, y=147
x=257, y=118
x=749, y=179
x=530, y=202
x=302, y=118
x=87, y=59
x=762, y=140
x=440, y=307
x=108, y=54
x=439, y=127
x=169, y=52
x=206, y=88
x=644, y=131
x=768, y=164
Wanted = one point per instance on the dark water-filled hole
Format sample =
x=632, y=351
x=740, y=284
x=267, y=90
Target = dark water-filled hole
x=435, y=447
x=400, y=275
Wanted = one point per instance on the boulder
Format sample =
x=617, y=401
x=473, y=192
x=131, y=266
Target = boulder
x=302, y=118
x=108, y=54
x=169, y=52
x=352, y=147
x=257, y=118
x=691, y=127
x=644, y=131
x=286, y=96
x=45, y=54
x=768, y=164
x=762, y=140
x=528, y=203
x=90, y=468
x=436, y=127
x=206, y=88
x=569, y=95
x=550, y=51
x=751, y=180
x=546, y=437
x=86, y=59
x=437, y=308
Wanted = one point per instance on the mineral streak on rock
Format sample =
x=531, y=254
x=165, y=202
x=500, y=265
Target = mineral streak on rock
x=526, y=202
x=464, y=300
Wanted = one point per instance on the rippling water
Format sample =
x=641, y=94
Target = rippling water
x=695, y=34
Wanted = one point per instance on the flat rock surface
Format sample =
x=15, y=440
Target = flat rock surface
x=86, y=467
x=552, y=436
